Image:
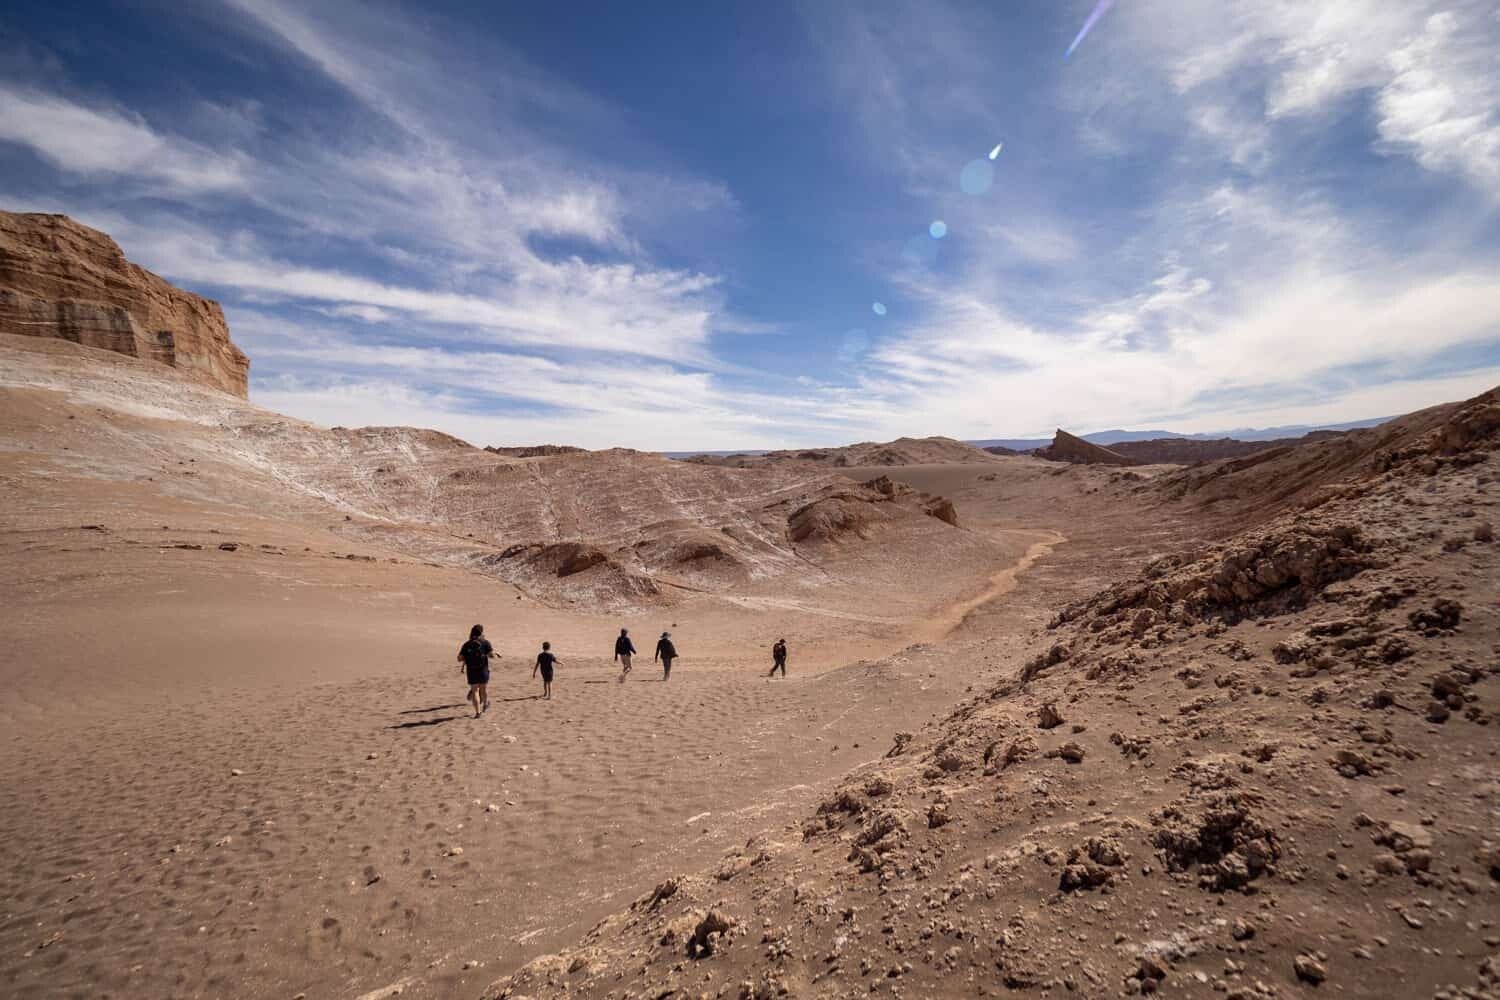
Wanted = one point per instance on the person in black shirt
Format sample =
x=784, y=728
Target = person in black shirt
x=778, y=658
x=666, y=653
x=545, y=661
x=474, y=659
x=624, y=650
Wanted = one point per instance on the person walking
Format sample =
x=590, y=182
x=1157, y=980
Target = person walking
x=545, y=661
x=474, y=659
x=666, y=653
x=624, y=650
x=778, y=658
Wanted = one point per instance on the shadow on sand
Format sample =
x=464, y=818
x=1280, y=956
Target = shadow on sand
x=524, y=697
x=425, y=722
x=434, y=708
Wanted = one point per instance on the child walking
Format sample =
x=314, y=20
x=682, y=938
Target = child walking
x=545, y=661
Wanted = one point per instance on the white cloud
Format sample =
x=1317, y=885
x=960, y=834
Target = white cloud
x=508, y=397
x=1443, y=102
x=1263, y=297
x=98, y=142
x=1424, y=67
x=568, y=305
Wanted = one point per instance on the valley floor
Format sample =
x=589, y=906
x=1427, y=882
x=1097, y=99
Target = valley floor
x=251, y=772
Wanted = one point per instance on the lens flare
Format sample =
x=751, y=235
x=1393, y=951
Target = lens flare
x=938, y=229
x=977, y=176
x=878, y=308
x=1099, y=11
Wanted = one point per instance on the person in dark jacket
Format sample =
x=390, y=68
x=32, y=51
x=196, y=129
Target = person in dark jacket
x=545, y=661
x=624, y=650
x=474, y=660
x=778, y=658
x=666, y=653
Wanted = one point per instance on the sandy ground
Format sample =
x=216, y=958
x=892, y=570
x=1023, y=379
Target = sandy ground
x=250, y=772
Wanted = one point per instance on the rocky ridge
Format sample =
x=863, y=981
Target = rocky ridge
x=62, y=279
x=1191, y=451
x=902, y=451
x=1067, y=447
x=612, y=528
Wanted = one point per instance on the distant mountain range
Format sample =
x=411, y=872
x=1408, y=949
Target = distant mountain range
x=1107, y=438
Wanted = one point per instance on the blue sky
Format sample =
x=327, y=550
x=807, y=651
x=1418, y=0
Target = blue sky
x=665, y=225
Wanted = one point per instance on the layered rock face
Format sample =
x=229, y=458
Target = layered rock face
x=62, y=279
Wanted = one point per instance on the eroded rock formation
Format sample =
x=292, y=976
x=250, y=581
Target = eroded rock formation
x=1067, y=447
x=62, y=279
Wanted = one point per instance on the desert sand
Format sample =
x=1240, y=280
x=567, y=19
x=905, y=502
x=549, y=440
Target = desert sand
x=1049, y=729
x=233, y=706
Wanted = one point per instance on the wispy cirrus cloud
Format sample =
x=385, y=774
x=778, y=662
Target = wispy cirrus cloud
x=99, y=141
x=1238, y=277
x=1213, y=214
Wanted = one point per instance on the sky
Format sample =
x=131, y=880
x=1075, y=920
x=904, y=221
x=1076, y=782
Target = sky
x=722, y=226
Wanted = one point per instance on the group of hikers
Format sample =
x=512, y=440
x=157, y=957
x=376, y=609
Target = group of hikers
x=474, y=659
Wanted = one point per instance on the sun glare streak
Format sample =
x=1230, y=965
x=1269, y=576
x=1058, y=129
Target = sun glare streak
x=1099, y=11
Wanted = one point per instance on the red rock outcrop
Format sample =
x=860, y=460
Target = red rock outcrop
x=62, y=279
x=1067, y=447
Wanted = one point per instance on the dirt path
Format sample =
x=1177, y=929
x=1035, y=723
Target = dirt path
x=951, y=618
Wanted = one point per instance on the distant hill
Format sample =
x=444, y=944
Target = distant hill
x=1191, y=451
x=535, y=450
x=902, y=451
x=1111, y=438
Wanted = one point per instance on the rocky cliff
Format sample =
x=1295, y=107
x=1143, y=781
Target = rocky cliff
x=62, y=279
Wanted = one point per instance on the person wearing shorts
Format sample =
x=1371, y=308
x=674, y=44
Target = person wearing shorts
x=545, y=661
x=624, y=650
x=474, y=661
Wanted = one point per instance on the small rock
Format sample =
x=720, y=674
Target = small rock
x=235, y=772
x=1070, y=752
x=1309, y=969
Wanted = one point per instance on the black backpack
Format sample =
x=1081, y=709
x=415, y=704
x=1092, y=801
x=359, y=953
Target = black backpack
x=473, y=654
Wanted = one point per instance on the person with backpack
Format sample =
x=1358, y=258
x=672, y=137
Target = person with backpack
x=545, y=661
x=474, y=659
x=624, y=650
x=778, y=658
x=666, y=653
